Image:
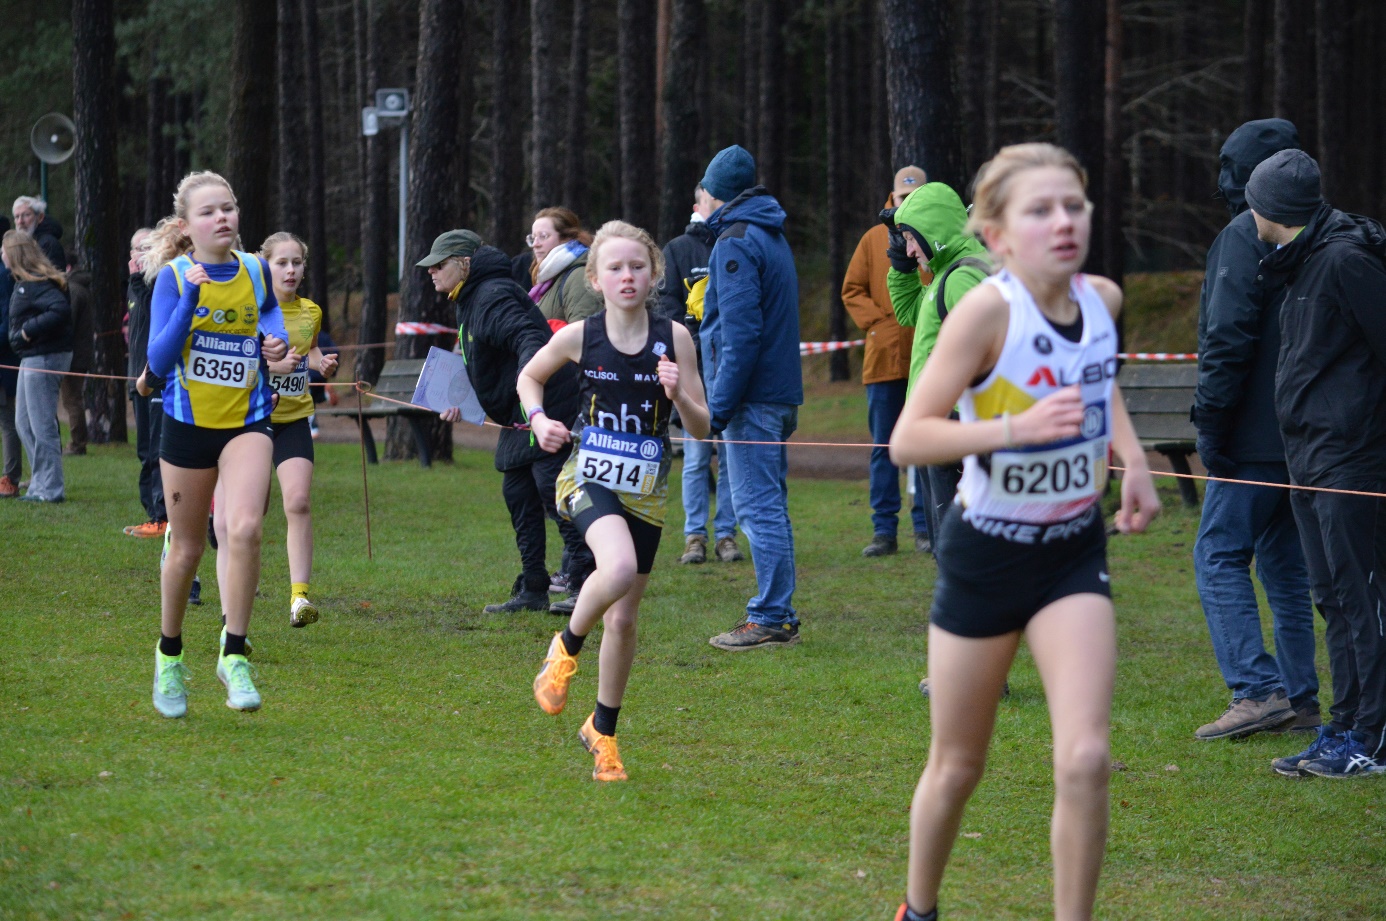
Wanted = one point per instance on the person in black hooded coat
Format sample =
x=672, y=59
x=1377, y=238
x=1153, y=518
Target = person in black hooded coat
x=1330, y=400
x=1239, y=439
x=499, y=329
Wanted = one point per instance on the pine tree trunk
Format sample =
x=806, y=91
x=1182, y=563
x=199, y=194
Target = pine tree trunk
x=375, y=226
x=924, y=128
x=250, y=124
x=835, y=74
x=1254, y=26
x=157, y=195
x=317, y=167
x=98, y=246
x=769, y=149
x=1294, y=69
x=1114, y=166
x=750, y=70
x=1080, y=32
x=1334, y=23
x=575, y=167
x=509, y=218
x=687, y=28
x=636, y=78
x=546, y=102
x=432, y=152
x=293, y=179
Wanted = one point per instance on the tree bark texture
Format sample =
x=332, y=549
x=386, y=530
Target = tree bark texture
x=924, y=128
x=1114, y=166
x=751, y=12
x=432, y=150
x=835, y=78
x=99, y=247
x=546, y=104
x=157, y=194
x=293, y=176
x=375, y=227
x=1255, y=25
x=1294, y=68
x=1080, y=33
x=509, y=220
x=769, y=149
x=251, y=123
x=639, y=201
x=575, y=162
x=688, y=24
x=317, y=166
x=1335, y=19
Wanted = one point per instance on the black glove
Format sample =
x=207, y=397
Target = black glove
x=895, y=252
x=1218, y=464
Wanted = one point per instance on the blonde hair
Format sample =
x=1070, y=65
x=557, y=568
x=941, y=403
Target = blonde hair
x=283, y=236
x=992, y=187
x=621, y=230
x=27, y=261
x=167, y=241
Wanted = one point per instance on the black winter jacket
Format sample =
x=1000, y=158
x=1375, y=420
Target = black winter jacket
x=500, y=329
x=1239, y=315
x=83, y=333
x=39, y=309
x=1330, y=385
x=48, y=234
x=685, y=260
x=137, y=299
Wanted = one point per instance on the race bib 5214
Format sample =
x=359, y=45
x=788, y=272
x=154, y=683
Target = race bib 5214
x=619, y=461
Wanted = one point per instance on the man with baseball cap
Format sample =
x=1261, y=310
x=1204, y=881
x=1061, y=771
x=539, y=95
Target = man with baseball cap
x=499, y=329
x=885, y=372
x=1330, y=387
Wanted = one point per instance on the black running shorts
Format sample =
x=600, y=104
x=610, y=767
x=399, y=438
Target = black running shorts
x=197, y=448
x=593, y=501
x=293, y=439
x=991, y=586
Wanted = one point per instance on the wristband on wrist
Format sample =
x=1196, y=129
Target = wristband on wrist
x=534, y=411
x=1006, y=438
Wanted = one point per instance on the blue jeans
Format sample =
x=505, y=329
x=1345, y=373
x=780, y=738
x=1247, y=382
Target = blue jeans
x=1241, y=522
x=760, y=494
x=883, y=404
x=697, y=478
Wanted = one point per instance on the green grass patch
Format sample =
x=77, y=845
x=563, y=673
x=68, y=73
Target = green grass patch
x=400, y=768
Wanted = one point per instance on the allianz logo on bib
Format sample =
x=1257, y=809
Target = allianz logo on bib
x=218, y=342
x=608, y=442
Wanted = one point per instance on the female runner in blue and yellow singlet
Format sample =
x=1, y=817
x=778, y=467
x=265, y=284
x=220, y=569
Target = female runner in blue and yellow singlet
x=214, y=325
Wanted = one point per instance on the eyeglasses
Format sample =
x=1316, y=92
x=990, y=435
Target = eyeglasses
x=531, y=239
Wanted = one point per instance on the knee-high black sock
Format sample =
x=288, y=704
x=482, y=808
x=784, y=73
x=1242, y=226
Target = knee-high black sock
x=171, y=645
x=604, y=719
x=573, y=643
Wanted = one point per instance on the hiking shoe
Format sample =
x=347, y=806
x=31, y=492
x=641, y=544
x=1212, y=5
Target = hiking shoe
x=170, y=679
x=747, y=635
x=559, y=583
x=302, y=613
x=551, y=684
x=609, y=765
x=1307, y=719
x=727, y=550
x=1346, y=760
x=148, y=529
x=8, y=488
x=564, y=606
x=904, y=913
x=234, y=672
x=195, y=593
x=881, y=545
x=520, y=601
x=1244, y=717
x=248, y=648
x=922, y=543
x=924, y=687
x=1324, y=742
x=694, y=549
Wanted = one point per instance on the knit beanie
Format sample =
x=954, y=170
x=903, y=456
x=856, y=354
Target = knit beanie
x=730, y=173
x=1284, y=189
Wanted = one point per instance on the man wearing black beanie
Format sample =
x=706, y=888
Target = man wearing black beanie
x=1330, y=400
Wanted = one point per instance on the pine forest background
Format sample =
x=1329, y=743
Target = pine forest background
x=613, y=109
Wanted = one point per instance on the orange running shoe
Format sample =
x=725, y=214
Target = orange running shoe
x=551, y=684
x=609, y=765
x=8, y=488
x=148, y=529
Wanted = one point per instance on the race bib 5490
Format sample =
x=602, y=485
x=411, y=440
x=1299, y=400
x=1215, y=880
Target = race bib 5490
x=293, y=384
x=619, y=461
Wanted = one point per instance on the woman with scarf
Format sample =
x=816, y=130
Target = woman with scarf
x=560, y=287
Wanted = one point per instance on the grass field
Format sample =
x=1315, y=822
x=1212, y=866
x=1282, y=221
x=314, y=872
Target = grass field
x=400, y=768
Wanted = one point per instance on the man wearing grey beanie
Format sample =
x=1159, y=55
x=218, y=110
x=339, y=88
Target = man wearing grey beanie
x=1330, y=395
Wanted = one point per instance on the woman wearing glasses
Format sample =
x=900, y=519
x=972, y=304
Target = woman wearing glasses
x=560, y=288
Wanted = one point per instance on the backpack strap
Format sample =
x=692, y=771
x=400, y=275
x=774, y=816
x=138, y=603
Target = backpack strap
x=941, y=302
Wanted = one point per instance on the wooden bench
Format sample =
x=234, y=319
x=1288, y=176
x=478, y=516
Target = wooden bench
x=1158, y=398
x=397, y=381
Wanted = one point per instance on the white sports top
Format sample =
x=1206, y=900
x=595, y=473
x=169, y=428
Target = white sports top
x=1015, y=492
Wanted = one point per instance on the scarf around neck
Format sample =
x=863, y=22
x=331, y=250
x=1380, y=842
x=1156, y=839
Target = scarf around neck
x=558, y=259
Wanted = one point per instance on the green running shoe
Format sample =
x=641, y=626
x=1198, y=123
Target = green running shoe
x=248, y=648
x=234, y=672
x=170, y=678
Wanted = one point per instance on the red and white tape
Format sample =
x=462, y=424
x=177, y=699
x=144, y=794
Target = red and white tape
x=422, y=329
x=818, y=348
x=1158, y=356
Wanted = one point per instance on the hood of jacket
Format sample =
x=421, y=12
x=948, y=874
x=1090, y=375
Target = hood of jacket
x=936, y=213
x=1328, y=225
x=702, y=232
x=1244, y=150
x=48, y=227
x=487, y=262
x=754, y=206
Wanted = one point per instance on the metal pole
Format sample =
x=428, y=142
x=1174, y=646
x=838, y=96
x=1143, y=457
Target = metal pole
x=403, y=187
x=43, y=180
